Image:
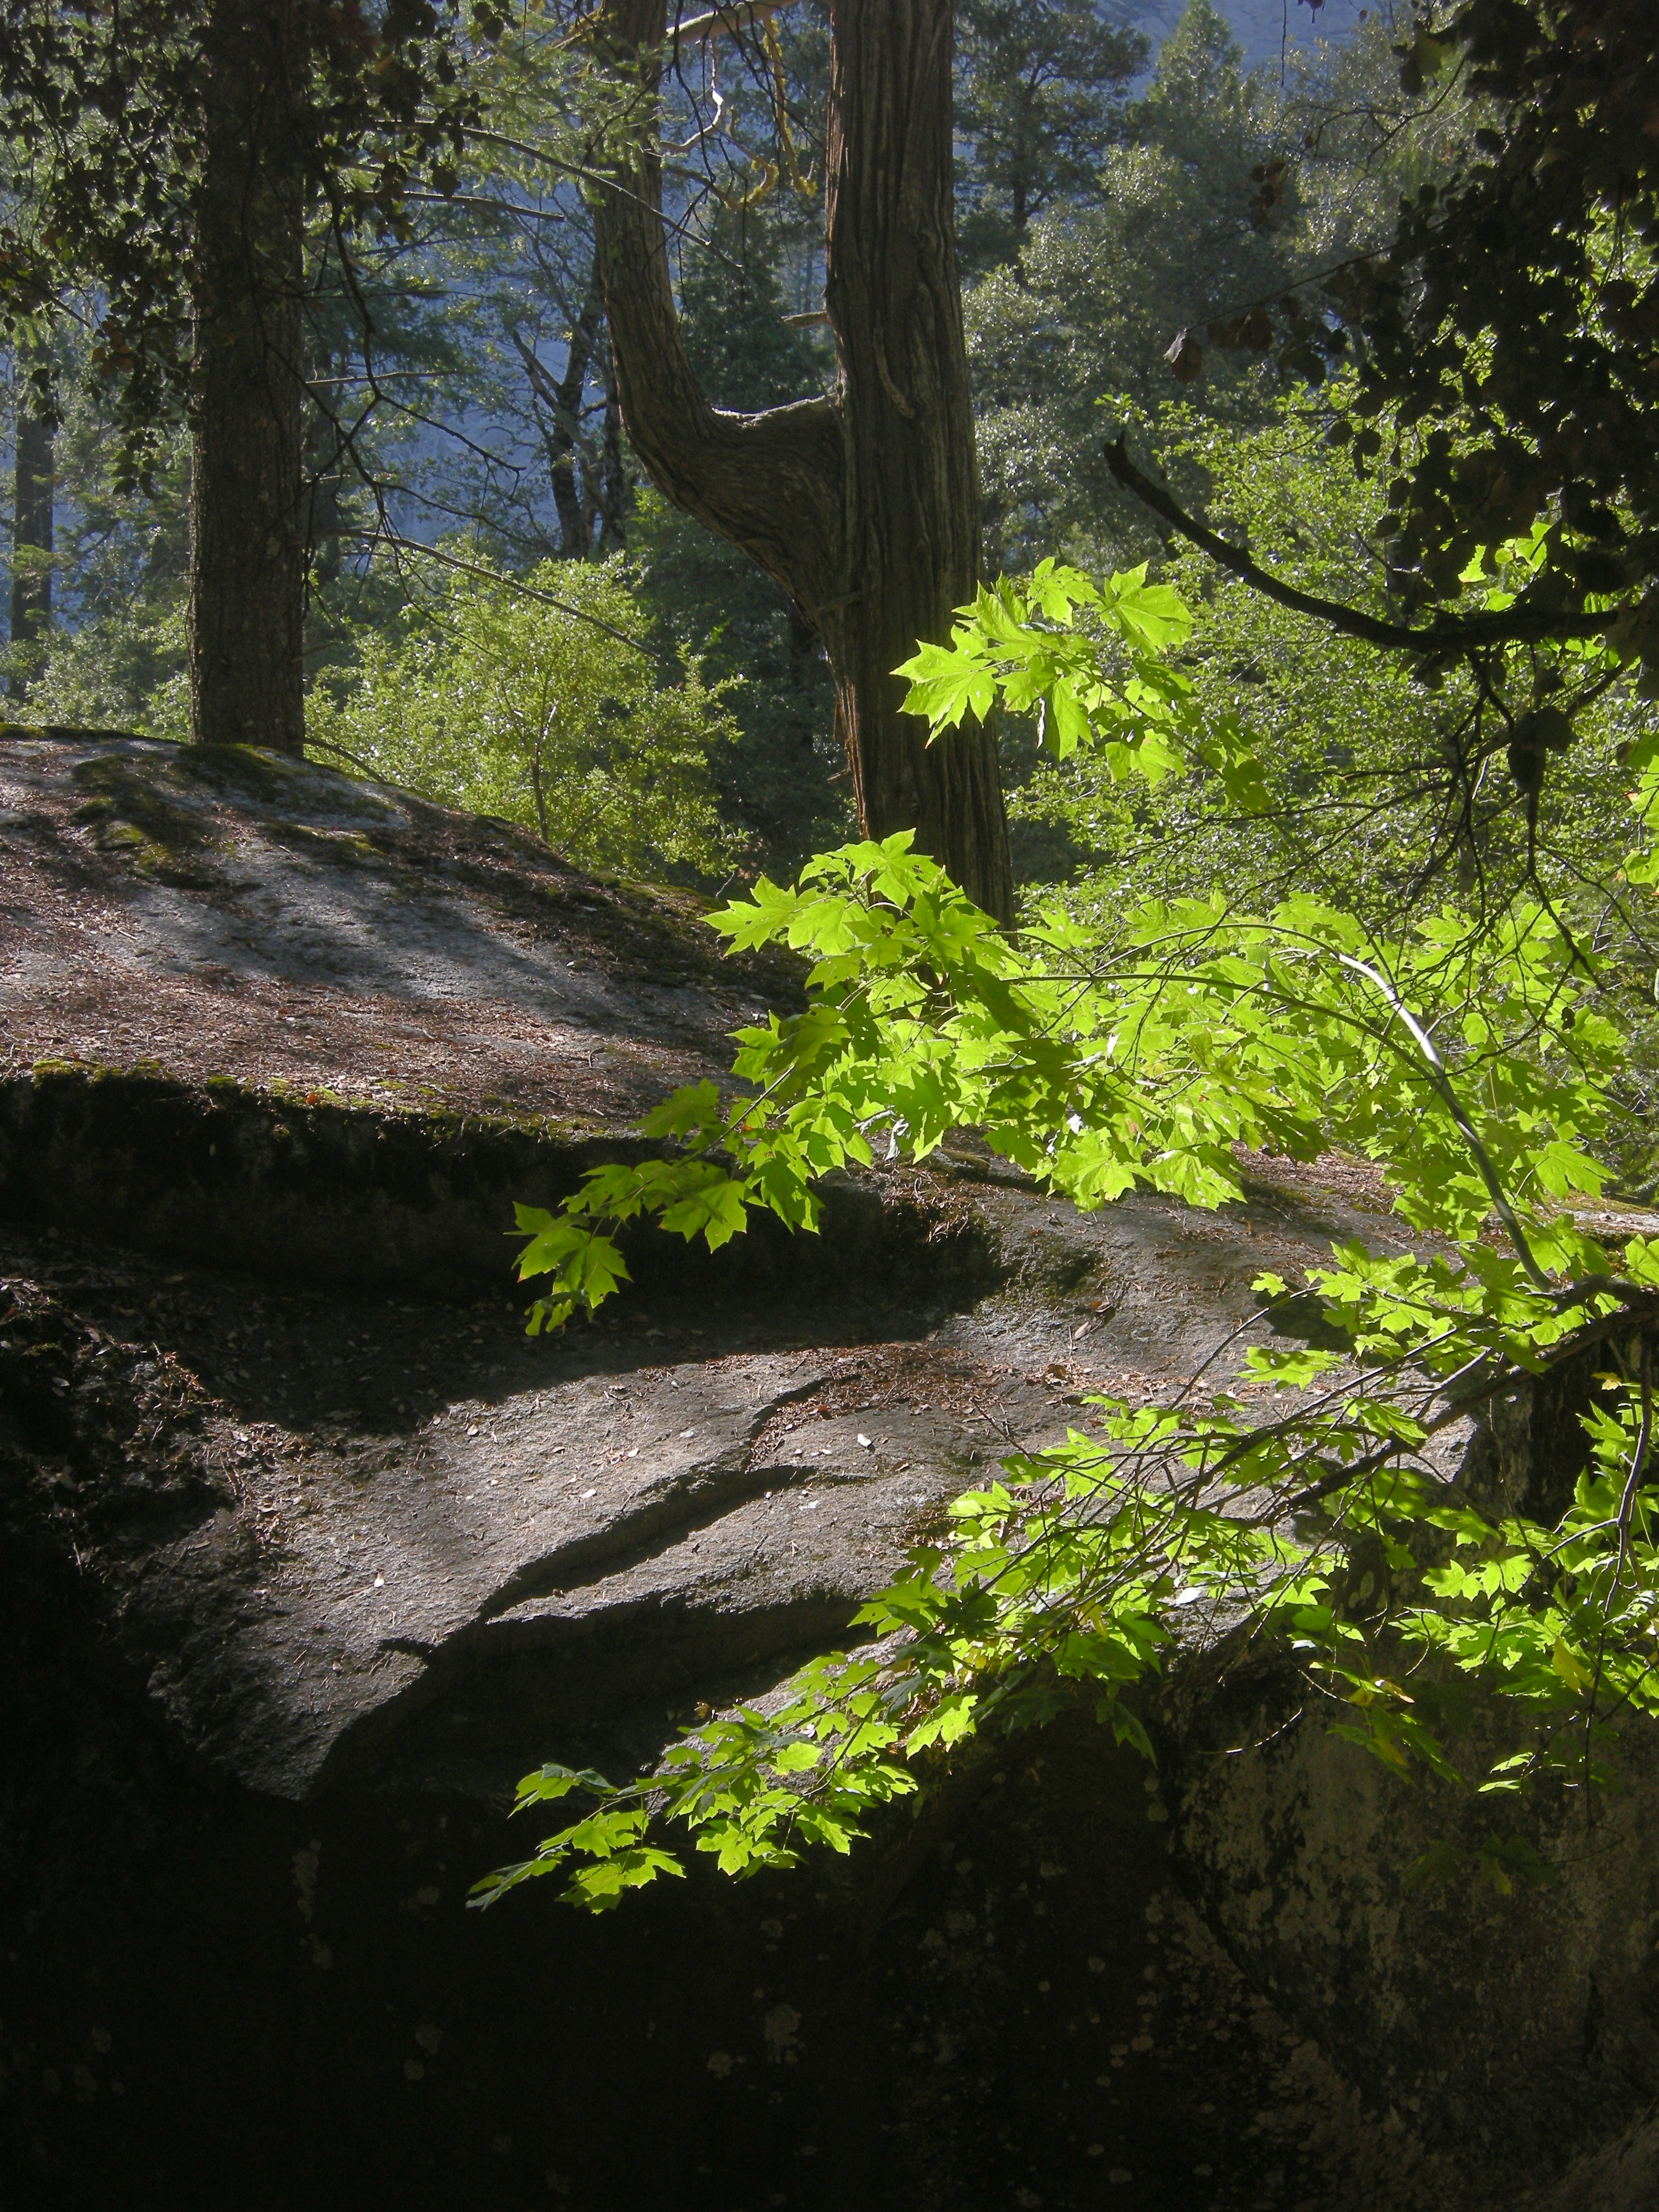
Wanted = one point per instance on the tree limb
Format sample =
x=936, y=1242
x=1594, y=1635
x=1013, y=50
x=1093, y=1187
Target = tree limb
x=1515, y=625
x=772, y=482
x=737, y=17
x=506, y=583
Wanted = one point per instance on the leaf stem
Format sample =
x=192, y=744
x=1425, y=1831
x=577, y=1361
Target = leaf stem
x=1465, y=1129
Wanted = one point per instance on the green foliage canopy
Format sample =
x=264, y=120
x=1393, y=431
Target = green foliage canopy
x=535, y=698
x=1516, y=315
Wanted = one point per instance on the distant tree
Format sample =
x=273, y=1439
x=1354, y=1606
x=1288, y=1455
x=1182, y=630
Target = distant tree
x=1200, y=104
x=1088, y=307
x=167, y=156
x=34, y=484
x=586, y=472
x=743, y=352
x=1040, y=92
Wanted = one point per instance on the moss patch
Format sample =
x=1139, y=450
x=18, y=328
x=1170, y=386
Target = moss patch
x=129, y=814
x=253, y=772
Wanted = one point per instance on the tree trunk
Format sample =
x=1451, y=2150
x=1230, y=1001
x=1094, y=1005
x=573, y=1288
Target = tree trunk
x=913, y=507
x=804, y=645
x=864, y=505
x=248, y=550
x=34, y=498
x=562, y=433
x=610, y=494
x=576, y=524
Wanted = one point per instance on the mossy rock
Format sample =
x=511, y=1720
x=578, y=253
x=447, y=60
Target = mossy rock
x=298, y=1184
x=130, y=816
x=288, y=781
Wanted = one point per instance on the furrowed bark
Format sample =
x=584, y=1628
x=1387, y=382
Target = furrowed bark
x=912, y=549
x=248, y=550
x=863, y=505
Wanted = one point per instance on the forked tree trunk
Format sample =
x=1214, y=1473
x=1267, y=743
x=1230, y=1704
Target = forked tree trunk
x=248, y=551
x=864, y=505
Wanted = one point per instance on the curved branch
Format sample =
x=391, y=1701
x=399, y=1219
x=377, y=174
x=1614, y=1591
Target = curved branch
x=772, y=482
x=1516, y=626
x=507, y=583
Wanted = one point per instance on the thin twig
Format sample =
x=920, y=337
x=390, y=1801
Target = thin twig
x=1466, y=1128
x=372, y=537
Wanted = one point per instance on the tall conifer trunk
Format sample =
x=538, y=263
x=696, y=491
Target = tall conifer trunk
x=248, y=551
x=864, y=505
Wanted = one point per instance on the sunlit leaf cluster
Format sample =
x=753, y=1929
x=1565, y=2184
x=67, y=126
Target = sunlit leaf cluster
x=1314, y=1503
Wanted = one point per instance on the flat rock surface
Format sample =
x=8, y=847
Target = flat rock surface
x=427, y=1543
x=237, y=913
x=404, y=1540
x=301, y=1577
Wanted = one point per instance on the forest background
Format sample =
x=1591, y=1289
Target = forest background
x=465, y=426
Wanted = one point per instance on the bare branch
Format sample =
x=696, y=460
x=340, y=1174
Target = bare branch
x=1516, y=626
x=507, y=583
x=738, y=17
